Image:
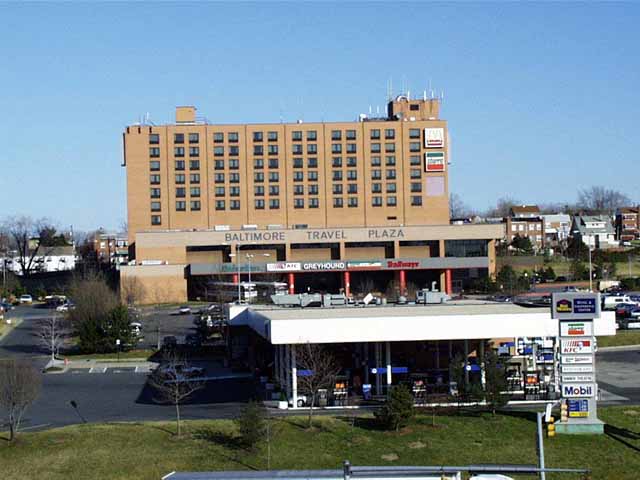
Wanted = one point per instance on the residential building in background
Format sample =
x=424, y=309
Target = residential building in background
x=324, y=206
x=46, y=259
x=628, y=224
x=595, y=231
x=111, y=247
x=557, y=228
x=525, y=221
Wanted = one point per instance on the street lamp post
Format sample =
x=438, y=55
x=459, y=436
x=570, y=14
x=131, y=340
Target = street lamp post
x=237, y=257
x=590, y=271
x=250, y=256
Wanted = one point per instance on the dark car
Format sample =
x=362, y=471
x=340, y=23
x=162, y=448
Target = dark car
x=179, y=371
x=623, y=310
x=169, y=342
x=193, y=340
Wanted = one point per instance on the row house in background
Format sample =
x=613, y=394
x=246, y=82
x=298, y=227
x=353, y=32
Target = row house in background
x=557, y=229
x=628, y=224
x=595, y=231
x=111, y=247
x=525, y=221
x=45, y=260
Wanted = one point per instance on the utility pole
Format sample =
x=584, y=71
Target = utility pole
x=590, y=272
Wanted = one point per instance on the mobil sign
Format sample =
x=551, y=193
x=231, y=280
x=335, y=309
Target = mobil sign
x=575, y=345
x=574, y=390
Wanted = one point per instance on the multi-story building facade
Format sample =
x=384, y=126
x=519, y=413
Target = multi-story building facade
x=557, y=227
x=595, y=231
x=525, y=221
x=372, y=191
x=628, y=224
x=111, y=247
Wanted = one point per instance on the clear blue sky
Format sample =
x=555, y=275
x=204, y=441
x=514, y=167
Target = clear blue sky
x=541, y=99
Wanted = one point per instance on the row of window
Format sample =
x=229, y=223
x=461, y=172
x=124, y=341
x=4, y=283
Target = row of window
x=312, y=135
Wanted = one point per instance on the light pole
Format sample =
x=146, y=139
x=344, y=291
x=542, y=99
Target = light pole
x=251, y=256
x=590, y=271
x=237, y=257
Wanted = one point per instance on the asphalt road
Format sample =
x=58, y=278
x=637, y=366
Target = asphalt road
x=619, y=376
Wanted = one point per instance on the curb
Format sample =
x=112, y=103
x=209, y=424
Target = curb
x=619, y=348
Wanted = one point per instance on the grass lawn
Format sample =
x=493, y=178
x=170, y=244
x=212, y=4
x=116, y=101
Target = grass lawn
x=622, y=337
x=137, y=354
x=149, y=451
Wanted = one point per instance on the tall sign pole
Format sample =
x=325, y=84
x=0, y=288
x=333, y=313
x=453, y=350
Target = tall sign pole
x=575, y=313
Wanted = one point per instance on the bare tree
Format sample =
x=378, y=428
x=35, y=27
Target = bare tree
x=26, y=238
x=599, y=199
x=503, y=205
x=174, y=381
x=457, y=207
x=132, y=291
x=19, y=388
x=317, y=369
x=52, y=332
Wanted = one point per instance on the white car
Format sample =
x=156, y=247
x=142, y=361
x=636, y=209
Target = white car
x=26, y=298
x=184, y=309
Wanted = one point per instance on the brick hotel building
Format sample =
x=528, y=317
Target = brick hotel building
x=323, y=205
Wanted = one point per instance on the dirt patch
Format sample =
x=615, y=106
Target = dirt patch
x=390, y=457
x=417, y=445
x=632, y=413
x=361, y=439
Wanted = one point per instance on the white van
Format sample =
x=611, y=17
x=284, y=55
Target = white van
x=610, y=302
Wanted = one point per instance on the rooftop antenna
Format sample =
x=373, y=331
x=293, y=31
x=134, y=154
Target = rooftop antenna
x=369, y=110
x=441, y=96
x=424, y=95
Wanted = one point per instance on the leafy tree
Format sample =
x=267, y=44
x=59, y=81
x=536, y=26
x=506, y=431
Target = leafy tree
x=577, y=249
x=252, y=424
x=495, y=380
x=398, y=410
x=549, y=274
x=579, y=271
x=522, y=244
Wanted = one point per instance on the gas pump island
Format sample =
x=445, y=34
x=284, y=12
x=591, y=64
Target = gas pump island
x=575, y=313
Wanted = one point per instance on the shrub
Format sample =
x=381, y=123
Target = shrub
x=398, y=410
x=252, y=424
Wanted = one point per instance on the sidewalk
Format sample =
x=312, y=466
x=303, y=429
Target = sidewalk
x=619, y=348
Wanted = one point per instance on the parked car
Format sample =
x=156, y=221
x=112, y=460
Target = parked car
x=26, y=298
x=623, y=310
x=179, y=371
x=136, y=329
x=65, y=307
x=193, y=340
x=611, y=302
x=570, y=288
x=184, y=310
x=169, y=342
x=6, y=306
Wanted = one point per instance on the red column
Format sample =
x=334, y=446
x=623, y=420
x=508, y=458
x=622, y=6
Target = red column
x=347, y=284
x=403, y=282
x=447, y=274
x=292, y=283
x=235, y=278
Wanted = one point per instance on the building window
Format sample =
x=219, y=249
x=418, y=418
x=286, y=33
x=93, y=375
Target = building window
x=155, y=206
x=376, y=201
x=296, y=135
x=352, y=148
x=272, y=136
x=375, y=134
x=376, y=161
x=414, y=133
x=257, y=136
x=154, y=165
x=336, y=135
x=258, y=191
x=392, y=201
x=352, y=202
x=312, y=148
x=376, y=187
x=234, y=191
x=337, y=175
x=219, y=191
x=336, y=162
x=416, y=187
x=194, y=138
x=351, y=134
x=352, y=174
x=314, y=203
x=272, y=149
x=258, y=163
x=234, y=204
x=298, y=189
x=298, y=203
x=414, y=147
x=181, y=205
x=312, y=162
x=232, y=137
x=154, y=179
x=258, y=177
x=337, y=202
x=313, y=189
x=415, y=160
x=218, y=177
x=352, y=161
x=181, y=192
x=234, y=164
x=194, y=191
x=218, y=164
x=312, y=136
x=337, y=189
x=336, y=148
x=416, y=200
x=234, y=178
x=376, y=174
x=391, y=174
x=220, y=205
x=234, y=151
x=390, y=160
x=194, y=164
x=274, y=204
x=218, y=137
x=389, y=147
x=180, y=178
x=154, y=152
x=258, y=204
x=274, y=176
x=154, y=138
x=298, y=162
x=258, y=150
x=179, y=164
x=375, y=148
x=273, y=163
x=415, y=173
x=389, y=133
x=296, y=149
x=194, y=178
x=391, y=188
x=274, y=190
x=414, y=106
x=352, y=188
x=298, y=176
x=194, y=205
x=218, y=151
x=178, y=138
x=156, y=220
